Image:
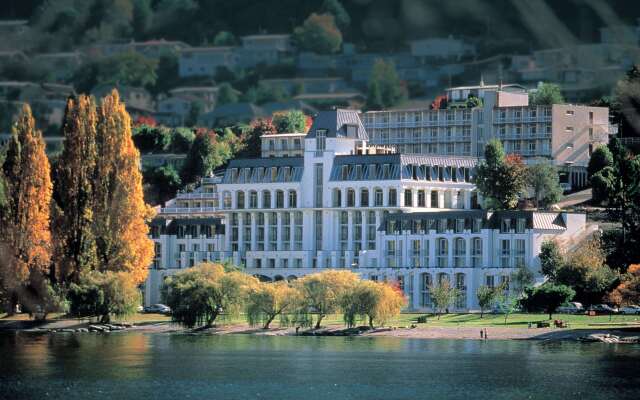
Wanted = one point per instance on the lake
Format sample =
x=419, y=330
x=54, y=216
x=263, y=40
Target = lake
x=140, y=366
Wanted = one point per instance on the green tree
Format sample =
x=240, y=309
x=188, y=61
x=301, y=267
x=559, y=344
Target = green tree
x=142, y=17
x=226, y=94
x=385, y=88
x=443, y=295
x=270, y=300
x=201, y=159
x=323, y=292
x=151, y=139
x=486, y=296
x=543, y=179
x=290, y=121
x=130, y=69
x=546, y=94
x=627, y=103
x=167, y=72
x=474, y=101
x=335, y=8
x=499, y=178
x=318, y=34
x=548, y=297
x=103, y=295
x=550, y=259
x=602, y=184
x=224, y=38
x=373, y=302
x=600, y=159
x=181, y=140
x=198, y=295
x=165, y=179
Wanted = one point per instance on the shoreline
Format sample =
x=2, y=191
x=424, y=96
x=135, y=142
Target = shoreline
x=626, y=334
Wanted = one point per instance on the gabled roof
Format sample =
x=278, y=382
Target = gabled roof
x=336, y=123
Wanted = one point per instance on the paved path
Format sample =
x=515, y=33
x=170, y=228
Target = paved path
x=575, y=198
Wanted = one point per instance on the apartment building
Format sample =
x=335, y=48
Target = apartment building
x=563, y=134
x=409, y=218
x=282, y=145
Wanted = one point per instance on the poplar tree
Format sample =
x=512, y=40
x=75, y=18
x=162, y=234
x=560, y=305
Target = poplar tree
x=120, y=211
x=74, y=192
x=24, y=220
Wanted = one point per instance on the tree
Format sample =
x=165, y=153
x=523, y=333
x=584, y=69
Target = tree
x=142, y=17
x=166, y=179
x=103, y=295
x=73, y=192
x=442, y=295
x=500, y=178
x=200, y=161
x=600, y=159
x=131, y=69
x=602, y=184
x=486, y=296
x=546, y=94
x=585, y=271
x=120, y=213
x=198, y=295
x=318, y=34
x=269, y=300
x=259, y=127
x=373, y=301
x=226, y=94
x=627, y=101
x=335, y=8
x=323, y=292
x=150, y=139
x=628, y=291
x=25, y=216
x=224, y=38
x=548, y=297
x=544, y=181
x=385, y=88
x=550, y=259
x=290, y=121
x=181, y=140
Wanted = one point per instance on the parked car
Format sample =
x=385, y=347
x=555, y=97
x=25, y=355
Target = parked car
x=602, y=309
x=158, y=309
x=630, y=309
x=571, y=308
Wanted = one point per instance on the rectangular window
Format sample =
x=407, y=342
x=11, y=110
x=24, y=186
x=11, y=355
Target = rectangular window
x=505, y=225
x=505, y=253
x=459, y=225
x=321, y=138
x=408, y=198
x=520, y=253
x=520, y=225
x=476, y=225
x=393, y=197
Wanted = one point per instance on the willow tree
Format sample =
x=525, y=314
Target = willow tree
x=120, y=213
x=74, y=190
x=267, y=301
x=323, y=292
x=373, y=302
x=24, y=220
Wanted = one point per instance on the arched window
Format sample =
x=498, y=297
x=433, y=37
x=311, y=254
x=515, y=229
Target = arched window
x=364, y=198
x=293, y=199
x=442, y=252
x=461, y=286
x=459, y=252
x=279, y=199
x=476, y=252
x=443, y=277
x=226, y=200
x=266, y=199
x=240, y=199
x=253, y=199
x=425, y=283
x=337, y=198
x=351, y=198
x=379, y=197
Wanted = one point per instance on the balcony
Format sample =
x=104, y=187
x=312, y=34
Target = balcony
x=197, y=196
x=188, y=210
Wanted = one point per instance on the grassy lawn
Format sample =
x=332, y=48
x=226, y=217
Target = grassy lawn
x=406, y=319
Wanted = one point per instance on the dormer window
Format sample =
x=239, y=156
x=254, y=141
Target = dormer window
x=352, y=131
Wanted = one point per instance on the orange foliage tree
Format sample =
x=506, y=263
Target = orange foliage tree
x=628, y=291
x=24, y=220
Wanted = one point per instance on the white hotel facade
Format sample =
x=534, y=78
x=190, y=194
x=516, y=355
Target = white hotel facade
x=408, y=218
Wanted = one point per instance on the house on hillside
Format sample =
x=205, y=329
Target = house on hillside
x=205, y=61
x=138, y=101
x=230, y=114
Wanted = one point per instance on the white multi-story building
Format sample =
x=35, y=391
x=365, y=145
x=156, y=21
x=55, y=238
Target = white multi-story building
x=564, y=134
x=408, y=218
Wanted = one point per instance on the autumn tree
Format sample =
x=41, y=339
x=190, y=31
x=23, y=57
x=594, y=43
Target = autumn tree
x=372, y=301
x=628, y=291
x=259, y=127
x=318, y=34
x=120, y=213
x=323, y=292
x=25, y=217
x=197, y=296
x=499, y=178
x=74, y=192
x=443, y=295
x=268, y=300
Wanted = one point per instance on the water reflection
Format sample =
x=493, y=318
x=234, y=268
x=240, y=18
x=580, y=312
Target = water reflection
x=131, y=366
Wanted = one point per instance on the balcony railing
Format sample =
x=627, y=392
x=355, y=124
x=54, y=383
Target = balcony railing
x=186, y=210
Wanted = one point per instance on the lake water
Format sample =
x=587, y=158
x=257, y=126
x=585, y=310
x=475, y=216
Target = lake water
x=136, y=366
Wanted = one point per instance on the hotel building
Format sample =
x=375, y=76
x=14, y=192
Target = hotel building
x=410, y=218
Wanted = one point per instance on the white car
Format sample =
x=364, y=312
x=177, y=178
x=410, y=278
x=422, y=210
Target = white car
x=571, y=308
x=630, y=309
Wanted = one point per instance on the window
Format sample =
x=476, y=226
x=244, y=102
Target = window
x=390, y=252
x=321, y=138
x=408, y=198
x=226, y=200
x=459, y=252
x=425, y=283
x=520, y=253
x=337, y=197
x=476, y=225
x=393, y=197
x=441, y=226
x=371, y=230
x=520, y=225
x=279, y=199
x=421, y=198
x=364, y=198
x=505, y=253
x=569, y=113
x=490, y=281
x=505, y=225
x=434, y=199
x=379, y=196
x=253, y=199
x=568, y=129
x=459, y=228
x=351, y=198
x=293, y=199
x=442, y=252
x=266, y=199
x=240, y=200
x=476, y=252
